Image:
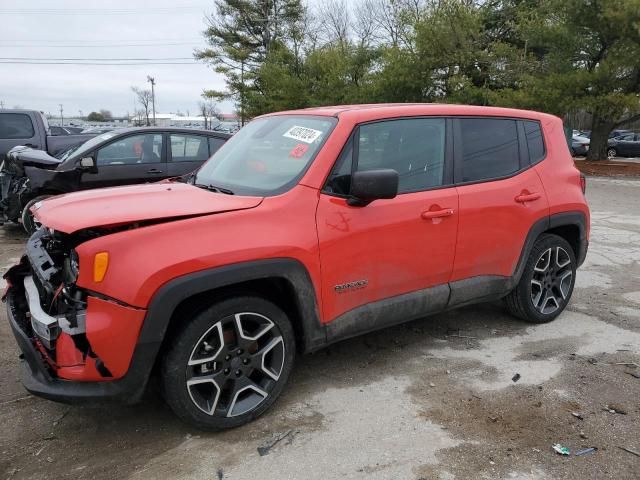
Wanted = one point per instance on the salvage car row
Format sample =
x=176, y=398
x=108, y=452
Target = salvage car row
x=40, y=166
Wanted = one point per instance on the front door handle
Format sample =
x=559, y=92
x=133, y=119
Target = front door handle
x=527, y=197
x=430, y=214
x=154, y=170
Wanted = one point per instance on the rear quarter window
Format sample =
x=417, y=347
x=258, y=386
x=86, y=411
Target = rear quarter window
x=535, y=142
x=16, y=125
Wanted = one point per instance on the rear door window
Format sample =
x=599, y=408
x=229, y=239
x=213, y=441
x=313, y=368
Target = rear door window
x=16, y=125
x=489, y=148
x=214, y=144
x=189, y=148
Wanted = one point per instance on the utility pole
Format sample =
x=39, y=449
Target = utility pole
x=152, y=81
x=1, y=104
x=61, y=117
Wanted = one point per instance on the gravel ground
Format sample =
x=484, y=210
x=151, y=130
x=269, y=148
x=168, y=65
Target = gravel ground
x=432, y=399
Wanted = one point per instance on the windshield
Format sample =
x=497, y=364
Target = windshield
x=267, y=156
x=82, y=148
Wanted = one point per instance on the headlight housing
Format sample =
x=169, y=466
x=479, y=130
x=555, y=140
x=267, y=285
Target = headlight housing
x=71, y=268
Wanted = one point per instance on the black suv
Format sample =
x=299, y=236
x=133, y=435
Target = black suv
x=122, y=157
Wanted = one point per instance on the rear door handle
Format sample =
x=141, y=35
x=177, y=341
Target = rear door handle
x=429, y=214
x=527, y=197
x=154, y=170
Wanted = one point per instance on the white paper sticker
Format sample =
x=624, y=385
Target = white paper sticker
x=302, y=134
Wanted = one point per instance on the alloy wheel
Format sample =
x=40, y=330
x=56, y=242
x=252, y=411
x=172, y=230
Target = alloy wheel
x=235, y=365
x=551, y=282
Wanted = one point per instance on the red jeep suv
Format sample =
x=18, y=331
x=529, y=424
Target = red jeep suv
x=305, y=228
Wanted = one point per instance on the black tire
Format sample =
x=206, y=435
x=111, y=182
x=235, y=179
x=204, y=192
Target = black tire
x=531, y=299
x=612, y=153
x=28, y=222
x=573, y=152
x=209, y=346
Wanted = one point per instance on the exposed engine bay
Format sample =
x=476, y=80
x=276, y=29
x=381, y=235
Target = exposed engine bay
x=47, y=303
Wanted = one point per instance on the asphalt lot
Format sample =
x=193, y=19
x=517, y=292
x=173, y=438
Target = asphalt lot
x=432, y=399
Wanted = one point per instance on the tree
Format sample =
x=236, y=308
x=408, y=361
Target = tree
x=208, y=110
x=106, y=114
x=587, y=58
x=144, y=98
x=240, y=35
x=95, y=117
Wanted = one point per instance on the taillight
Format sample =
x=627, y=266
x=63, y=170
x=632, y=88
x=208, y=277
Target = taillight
x=583, y=183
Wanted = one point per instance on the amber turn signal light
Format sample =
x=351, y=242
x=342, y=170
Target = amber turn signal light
x=100, y=264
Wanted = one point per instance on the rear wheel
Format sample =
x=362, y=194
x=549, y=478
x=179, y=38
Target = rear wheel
x=229, y=364
x=29, y=223
x=547, y=281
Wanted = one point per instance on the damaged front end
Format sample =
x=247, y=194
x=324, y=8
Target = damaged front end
x=65, y=332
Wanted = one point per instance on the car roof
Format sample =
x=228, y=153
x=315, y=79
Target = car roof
x=197, y=131
x=375, y=111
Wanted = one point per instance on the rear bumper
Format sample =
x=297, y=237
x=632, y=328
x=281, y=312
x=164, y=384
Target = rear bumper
x=38, y=377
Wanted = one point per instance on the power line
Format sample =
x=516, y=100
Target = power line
x=95, y=59
x=19, y=62
x=101, y=11
x=110, y=45
x=85, y=40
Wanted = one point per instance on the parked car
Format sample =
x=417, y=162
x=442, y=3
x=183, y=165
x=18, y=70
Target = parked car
x=579, y=145
x=305, y=228
x=30, y=128
x=134, y=155
x=98, y=130
x=627, y=145
x=618, y=132
x=57, y=130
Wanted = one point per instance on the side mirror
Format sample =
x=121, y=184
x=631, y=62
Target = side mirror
x=370, y=185
x=88, y=164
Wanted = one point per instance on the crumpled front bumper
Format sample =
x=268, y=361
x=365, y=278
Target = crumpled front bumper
x=41, y=376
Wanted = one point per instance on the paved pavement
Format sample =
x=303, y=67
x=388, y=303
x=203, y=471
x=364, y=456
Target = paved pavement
x=432, y=399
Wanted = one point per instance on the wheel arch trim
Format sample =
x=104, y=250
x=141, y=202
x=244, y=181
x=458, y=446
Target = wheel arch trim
x=572, y=218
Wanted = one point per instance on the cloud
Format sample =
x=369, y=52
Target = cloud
x=88, y=88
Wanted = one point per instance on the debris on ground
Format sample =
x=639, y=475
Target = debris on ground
x=629, y=450
x=515, y=378
x=628, y=364
x=634, y=374
x=220, y=473
x=267, y=448
x=615, y=408
x=561, y=450
x=586, y=451
x=431, y=384
x=583, y=436
x=577, y=415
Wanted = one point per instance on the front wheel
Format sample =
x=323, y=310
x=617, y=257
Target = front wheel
x=612, y=153
x=229, y=363
x=547, y=281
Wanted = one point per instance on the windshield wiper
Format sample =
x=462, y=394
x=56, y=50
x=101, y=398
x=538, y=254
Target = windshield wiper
x=213, y=188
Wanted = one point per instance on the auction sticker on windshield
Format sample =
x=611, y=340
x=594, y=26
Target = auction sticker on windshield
x=303, y=134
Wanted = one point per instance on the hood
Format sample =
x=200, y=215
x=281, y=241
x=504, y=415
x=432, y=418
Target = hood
x=31, y=156
x=137, y=203
x=19, y=157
